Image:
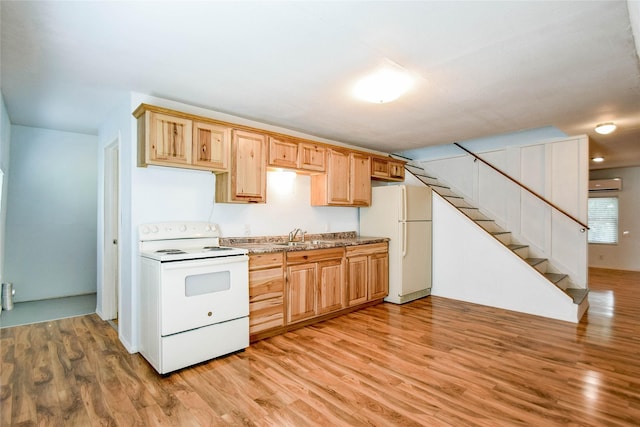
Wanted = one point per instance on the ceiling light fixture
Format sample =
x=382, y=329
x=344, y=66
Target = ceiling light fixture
x=605, y=128
x=597, y=159
x=384, y=85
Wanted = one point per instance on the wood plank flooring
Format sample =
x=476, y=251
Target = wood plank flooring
x=432, y=362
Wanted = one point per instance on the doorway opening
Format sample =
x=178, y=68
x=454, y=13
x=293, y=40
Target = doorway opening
x=111, y=230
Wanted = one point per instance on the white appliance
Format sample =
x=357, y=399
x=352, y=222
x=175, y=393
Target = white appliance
x=403, y=214
x=194, y=295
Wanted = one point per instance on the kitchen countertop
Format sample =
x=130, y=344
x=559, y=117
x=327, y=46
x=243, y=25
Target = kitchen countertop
x=266, y=244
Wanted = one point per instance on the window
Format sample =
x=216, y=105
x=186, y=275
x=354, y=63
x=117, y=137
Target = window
x=603, y=220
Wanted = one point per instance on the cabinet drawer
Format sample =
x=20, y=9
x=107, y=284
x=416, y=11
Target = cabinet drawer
x=264, y=284
x=266, y=314
x=300, y=257
x=366, y=249
x=271, y=259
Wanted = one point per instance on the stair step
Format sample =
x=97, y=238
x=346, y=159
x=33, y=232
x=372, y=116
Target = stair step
x=516, y=246
x=473, y=213
x=489, y=225
x=539, y=264
x=521, y=250
x=554, y=277
x=503, y=236
x=577, y=294
x=444, y=187
x=418, y=171
x=443, y=191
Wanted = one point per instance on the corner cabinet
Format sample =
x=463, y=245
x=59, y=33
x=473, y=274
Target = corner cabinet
x=246, y=182
x=367, y=273
x=315, y=283
x=347, y=181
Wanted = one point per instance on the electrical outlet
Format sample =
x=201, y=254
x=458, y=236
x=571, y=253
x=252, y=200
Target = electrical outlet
x=247, y=229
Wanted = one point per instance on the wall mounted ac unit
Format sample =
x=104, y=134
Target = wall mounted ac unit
x=613, y=184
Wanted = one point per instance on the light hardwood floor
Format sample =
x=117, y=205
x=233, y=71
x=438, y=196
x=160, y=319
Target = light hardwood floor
x=432, y=362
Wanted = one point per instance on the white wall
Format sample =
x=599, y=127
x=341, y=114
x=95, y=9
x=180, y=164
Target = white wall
x=155, y=194
x=465, y=269
x=51, y=223
x=626, y=254
x=5, y=143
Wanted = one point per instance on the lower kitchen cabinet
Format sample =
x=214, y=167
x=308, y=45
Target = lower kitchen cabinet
x=266, y=292
x=315, y=283
x=367, y=273
x=330, y=290
x=301, y=292
x=296, y=288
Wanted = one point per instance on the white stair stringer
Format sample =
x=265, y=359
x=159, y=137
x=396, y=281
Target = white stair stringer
x=471, y=265
x=544, y=271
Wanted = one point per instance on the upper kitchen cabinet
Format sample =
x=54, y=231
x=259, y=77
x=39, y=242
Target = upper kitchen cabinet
x=164, y=140
x=246, y=182
x=171, y=138
x=311, y=157
x=211, y=146
x=347, y=181
x=291, y=154
x=283, y=153
x=387, y=169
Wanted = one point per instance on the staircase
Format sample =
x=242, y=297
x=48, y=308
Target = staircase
x=540, y=265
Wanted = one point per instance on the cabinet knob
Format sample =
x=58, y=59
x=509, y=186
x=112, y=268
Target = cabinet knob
x=209, y=314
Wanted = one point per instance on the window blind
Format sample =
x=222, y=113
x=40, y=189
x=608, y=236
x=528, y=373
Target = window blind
x=603, y=220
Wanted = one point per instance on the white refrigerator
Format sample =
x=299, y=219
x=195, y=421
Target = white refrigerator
x=403, y=214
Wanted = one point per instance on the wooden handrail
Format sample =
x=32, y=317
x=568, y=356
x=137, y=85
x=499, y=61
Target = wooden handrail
x=585, y=226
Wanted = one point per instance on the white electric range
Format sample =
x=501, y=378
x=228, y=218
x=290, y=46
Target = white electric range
x=194, y=295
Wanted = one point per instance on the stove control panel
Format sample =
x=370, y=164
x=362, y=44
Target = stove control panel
x=177, y=230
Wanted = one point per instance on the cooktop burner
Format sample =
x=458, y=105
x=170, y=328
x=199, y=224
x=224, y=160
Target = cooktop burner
x=216, y=248
x=170, y=251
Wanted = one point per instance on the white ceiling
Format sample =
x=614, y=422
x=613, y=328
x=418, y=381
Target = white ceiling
x=483, y=68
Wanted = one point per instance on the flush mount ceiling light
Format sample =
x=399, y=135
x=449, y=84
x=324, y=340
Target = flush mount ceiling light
x=384, y=85
x=597, y=159
x=605, y=128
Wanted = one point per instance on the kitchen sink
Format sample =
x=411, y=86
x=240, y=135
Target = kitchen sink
x=293, y=244
x=307, y=243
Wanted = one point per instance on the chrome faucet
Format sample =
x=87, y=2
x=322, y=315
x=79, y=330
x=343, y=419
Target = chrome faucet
x=294, y=233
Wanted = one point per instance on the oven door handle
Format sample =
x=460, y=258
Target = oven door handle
x=203, y=262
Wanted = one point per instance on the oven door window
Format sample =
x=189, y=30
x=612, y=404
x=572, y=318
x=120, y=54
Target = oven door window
x=207, y=283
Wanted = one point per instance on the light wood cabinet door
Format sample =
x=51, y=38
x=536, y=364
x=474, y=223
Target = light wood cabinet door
x=283, y=153
x=357, y=277
x=301, y=292
x=246, y=182
x=379, y=168
x=330, y=287
x=211, y=146
x=169, y=139
x=360, y=179
x=396, y=170
x=338, y=178
x=249, y=166
x=378, y=276
x=311, y=157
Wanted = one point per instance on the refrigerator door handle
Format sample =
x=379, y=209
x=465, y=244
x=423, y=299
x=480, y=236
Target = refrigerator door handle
x=404, y=239
x=403, y=194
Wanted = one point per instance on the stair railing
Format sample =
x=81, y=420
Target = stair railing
x=584, y=226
